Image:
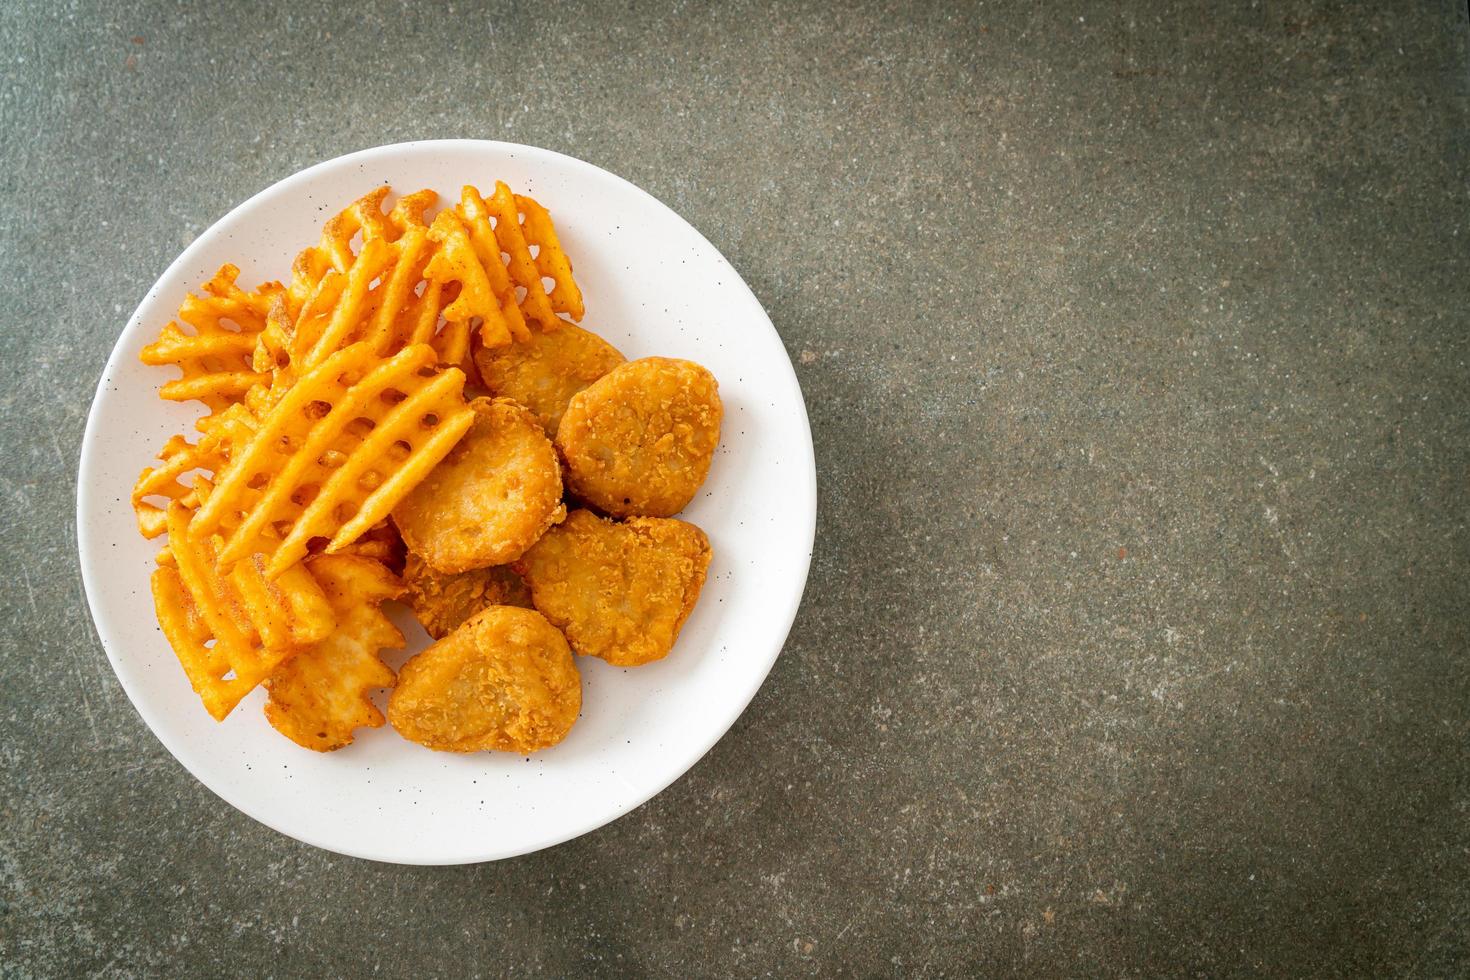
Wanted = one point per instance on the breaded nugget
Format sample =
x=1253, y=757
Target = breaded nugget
x=441, y=602
x=489, y=500
x=505, y=680
x=543, y=373
x=621, y=591
x=639, y=441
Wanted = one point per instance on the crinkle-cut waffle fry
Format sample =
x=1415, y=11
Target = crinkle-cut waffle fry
x=525, y=268
x=273, y=344
x=338, y=311
x=179, y=458
x=216, y=360
x=382, y=543
x=333, y=252
x=469, y=254
x=452, y=344
x=551, y=261
x=287, y=613
x=336, y=453
x=334, y=249
x=339, y=297
x=230, y=631
x=319, y=696
x=503, y=291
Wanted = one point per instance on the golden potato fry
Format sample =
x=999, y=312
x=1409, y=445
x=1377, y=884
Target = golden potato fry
x=504, y=680
x=339, y=295
x=442, y=602
x=544, y=372
x=336, y=454
x=382, y=543
x=639, y=441
x=216, y=357
x=621, y=591
x=231, y=629
x=489, y=500
x=321, y=695
x=501, y=283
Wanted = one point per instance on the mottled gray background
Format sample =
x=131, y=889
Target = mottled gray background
x=1134, y=342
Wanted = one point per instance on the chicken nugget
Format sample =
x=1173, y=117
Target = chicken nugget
x=543, y=373
x=505, y=680
x=441, y=602
x=620, y=590
x=638, y=442
x=496, y=492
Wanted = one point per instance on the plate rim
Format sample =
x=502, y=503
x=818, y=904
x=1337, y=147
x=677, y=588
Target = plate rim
x=93, y=580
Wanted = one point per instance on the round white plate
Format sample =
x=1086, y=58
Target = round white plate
x=653, y=285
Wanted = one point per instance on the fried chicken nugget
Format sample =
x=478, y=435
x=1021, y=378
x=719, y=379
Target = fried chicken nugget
x=442, y=602
x=620, y=591
x=505, y=680
x=638, y=442
x=543, y=373
x=489, y=500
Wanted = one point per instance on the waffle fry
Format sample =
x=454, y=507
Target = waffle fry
x=339, y=297
x=469, y=254
x=216, y=359
x=527, y=269
x=336, y=453
x=551, y=262
x=333, y=250
x=179, y=458
x=338, y=312
x=503, y=292
x=231, y=630
x=382, y=543
x=321, y=695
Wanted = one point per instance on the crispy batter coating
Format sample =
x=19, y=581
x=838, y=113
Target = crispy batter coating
x=495, y=493
x=505, y=680
x=319, y=696
x=620, y=591
x=442, y=602
x=544, y=372
x=639, y=441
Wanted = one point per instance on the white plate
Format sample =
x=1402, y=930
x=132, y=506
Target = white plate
x=653, y=285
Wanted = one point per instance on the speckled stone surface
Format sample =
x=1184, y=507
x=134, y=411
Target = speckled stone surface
x=1135, y=346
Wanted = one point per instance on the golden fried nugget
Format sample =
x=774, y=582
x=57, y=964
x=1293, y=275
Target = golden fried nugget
x=505, y=680
x=496, y=492
x=319, y=696
x=621, y=591
x=442, y=602
x=640, y=440
x=544, y=372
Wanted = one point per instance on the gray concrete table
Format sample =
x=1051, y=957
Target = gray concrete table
x=1135, y=344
